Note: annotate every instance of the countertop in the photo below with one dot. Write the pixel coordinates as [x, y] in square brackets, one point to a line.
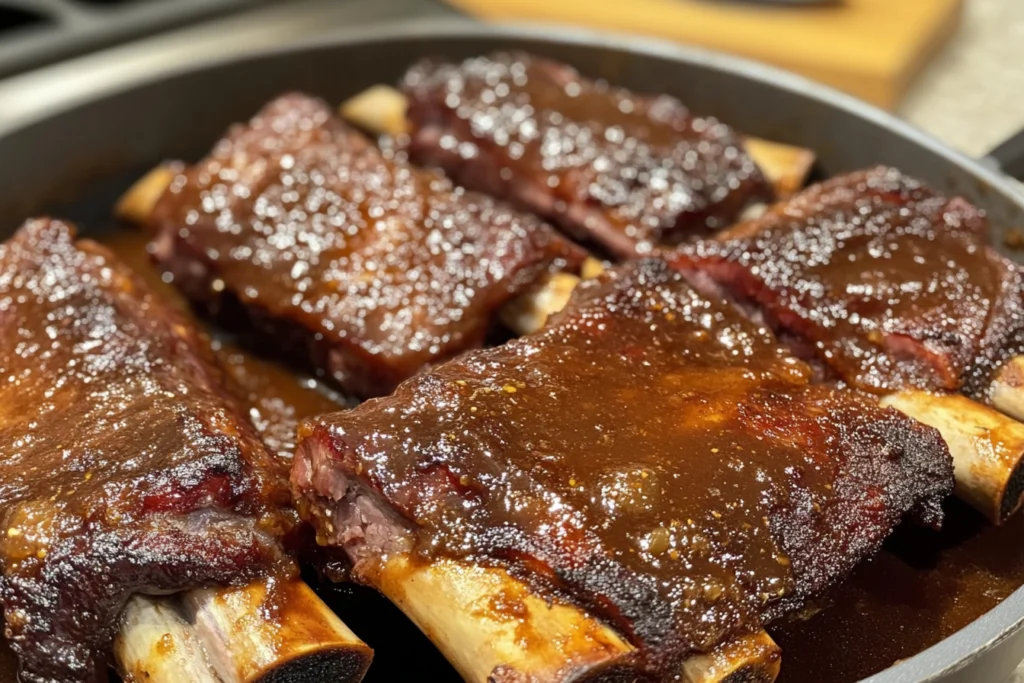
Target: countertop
[972, 94]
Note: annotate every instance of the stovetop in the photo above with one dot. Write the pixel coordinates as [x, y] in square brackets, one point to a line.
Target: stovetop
[54, 51]
[37, 32]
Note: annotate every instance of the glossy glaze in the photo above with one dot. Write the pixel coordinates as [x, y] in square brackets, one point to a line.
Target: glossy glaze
[923, 586]
[119, 446]
[883, 281]
[275, 398]
[369, 266]
[626, 171]
[652, 454]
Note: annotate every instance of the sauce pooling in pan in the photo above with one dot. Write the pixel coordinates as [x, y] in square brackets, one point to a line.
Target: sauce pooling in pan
[277, 399]
[923, 587]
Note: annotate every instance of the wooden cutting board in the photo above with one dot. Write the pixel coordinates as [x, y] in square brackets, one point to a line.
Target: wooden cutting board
[869, 48]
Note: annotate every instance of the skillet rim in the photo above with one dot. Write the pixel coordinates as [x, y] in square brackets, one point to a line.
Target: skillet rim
[945, 658]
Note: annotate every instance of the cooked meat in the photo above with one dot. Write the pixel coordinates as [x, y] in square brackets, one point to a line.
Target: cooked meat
[651, 455]
[368, 267]
[879, 279]
[625, 171]
[124, 467]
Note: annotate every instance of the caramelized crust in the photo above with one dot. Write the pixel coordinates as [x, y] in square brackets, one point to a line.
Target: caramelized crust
[124, 467]
[879, 279]
[624, 171]
[366, 265]
[651, 455]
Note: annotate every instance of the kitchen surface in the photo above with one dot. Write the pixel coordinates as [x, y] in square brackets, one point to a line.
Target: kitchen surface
[969, 95]
[957, 75]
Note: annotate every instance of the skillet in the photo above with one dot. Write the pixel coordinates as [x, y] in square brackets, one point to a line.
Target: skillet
[77, 156]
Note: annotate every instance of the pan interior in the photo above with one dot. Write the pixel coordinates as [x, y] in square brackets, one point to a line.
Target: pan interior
[75, 162]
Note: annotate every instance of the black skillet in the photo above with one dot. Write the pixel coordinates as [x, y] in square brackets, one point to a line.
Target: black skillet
[90, 143]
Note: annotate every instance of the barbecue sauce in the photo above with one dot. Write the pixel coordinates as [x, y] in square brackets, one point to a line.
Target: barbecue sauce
[879, 279]
[276, 398]
[652, 454]
[126, 466]
[922, 587]
[626, 171]
[369, 265]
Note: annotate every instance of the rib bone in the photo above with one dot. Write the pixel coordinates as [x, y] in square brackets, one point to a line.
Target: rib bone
[987, 448]
[137, 203]
[492, 628]
[276, 628]
[750, 659]
[156, 644]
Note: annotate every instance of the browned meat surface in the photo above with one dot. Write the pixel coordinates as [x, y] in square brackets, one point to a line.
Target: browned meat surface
[651, 455]
[124, 467]
[879, 279]
[350, 257]
[627, 172]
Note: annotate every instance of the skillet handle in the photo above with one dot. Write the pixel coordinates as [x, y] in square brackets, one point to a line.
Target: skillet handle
[1009, 156]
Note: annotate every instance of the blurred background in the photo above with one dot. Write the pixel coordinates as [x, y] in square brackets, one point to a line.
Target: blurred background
[951, 67]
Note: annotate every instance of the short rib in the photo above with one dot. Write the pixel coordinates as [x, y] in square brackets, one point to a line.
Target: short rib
[297, 227]
[124, 466]
[651, 455]
[879, 280]
[626, 172]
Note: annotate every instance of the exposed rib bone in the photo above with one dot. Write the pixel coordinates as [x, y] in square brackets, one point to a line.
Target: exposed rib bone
[491, 627]
[137, 203]
[750, 659]
[528, 312]
[786, 167]
[987, 448]
[273, 628]
[157, 644]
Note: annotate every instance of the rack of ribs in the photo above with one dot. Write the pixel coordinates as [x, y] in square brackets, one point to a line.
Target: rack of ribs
[299, 228]
[651, 459]
[126, 466]
[623, 171]
[891, 288]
